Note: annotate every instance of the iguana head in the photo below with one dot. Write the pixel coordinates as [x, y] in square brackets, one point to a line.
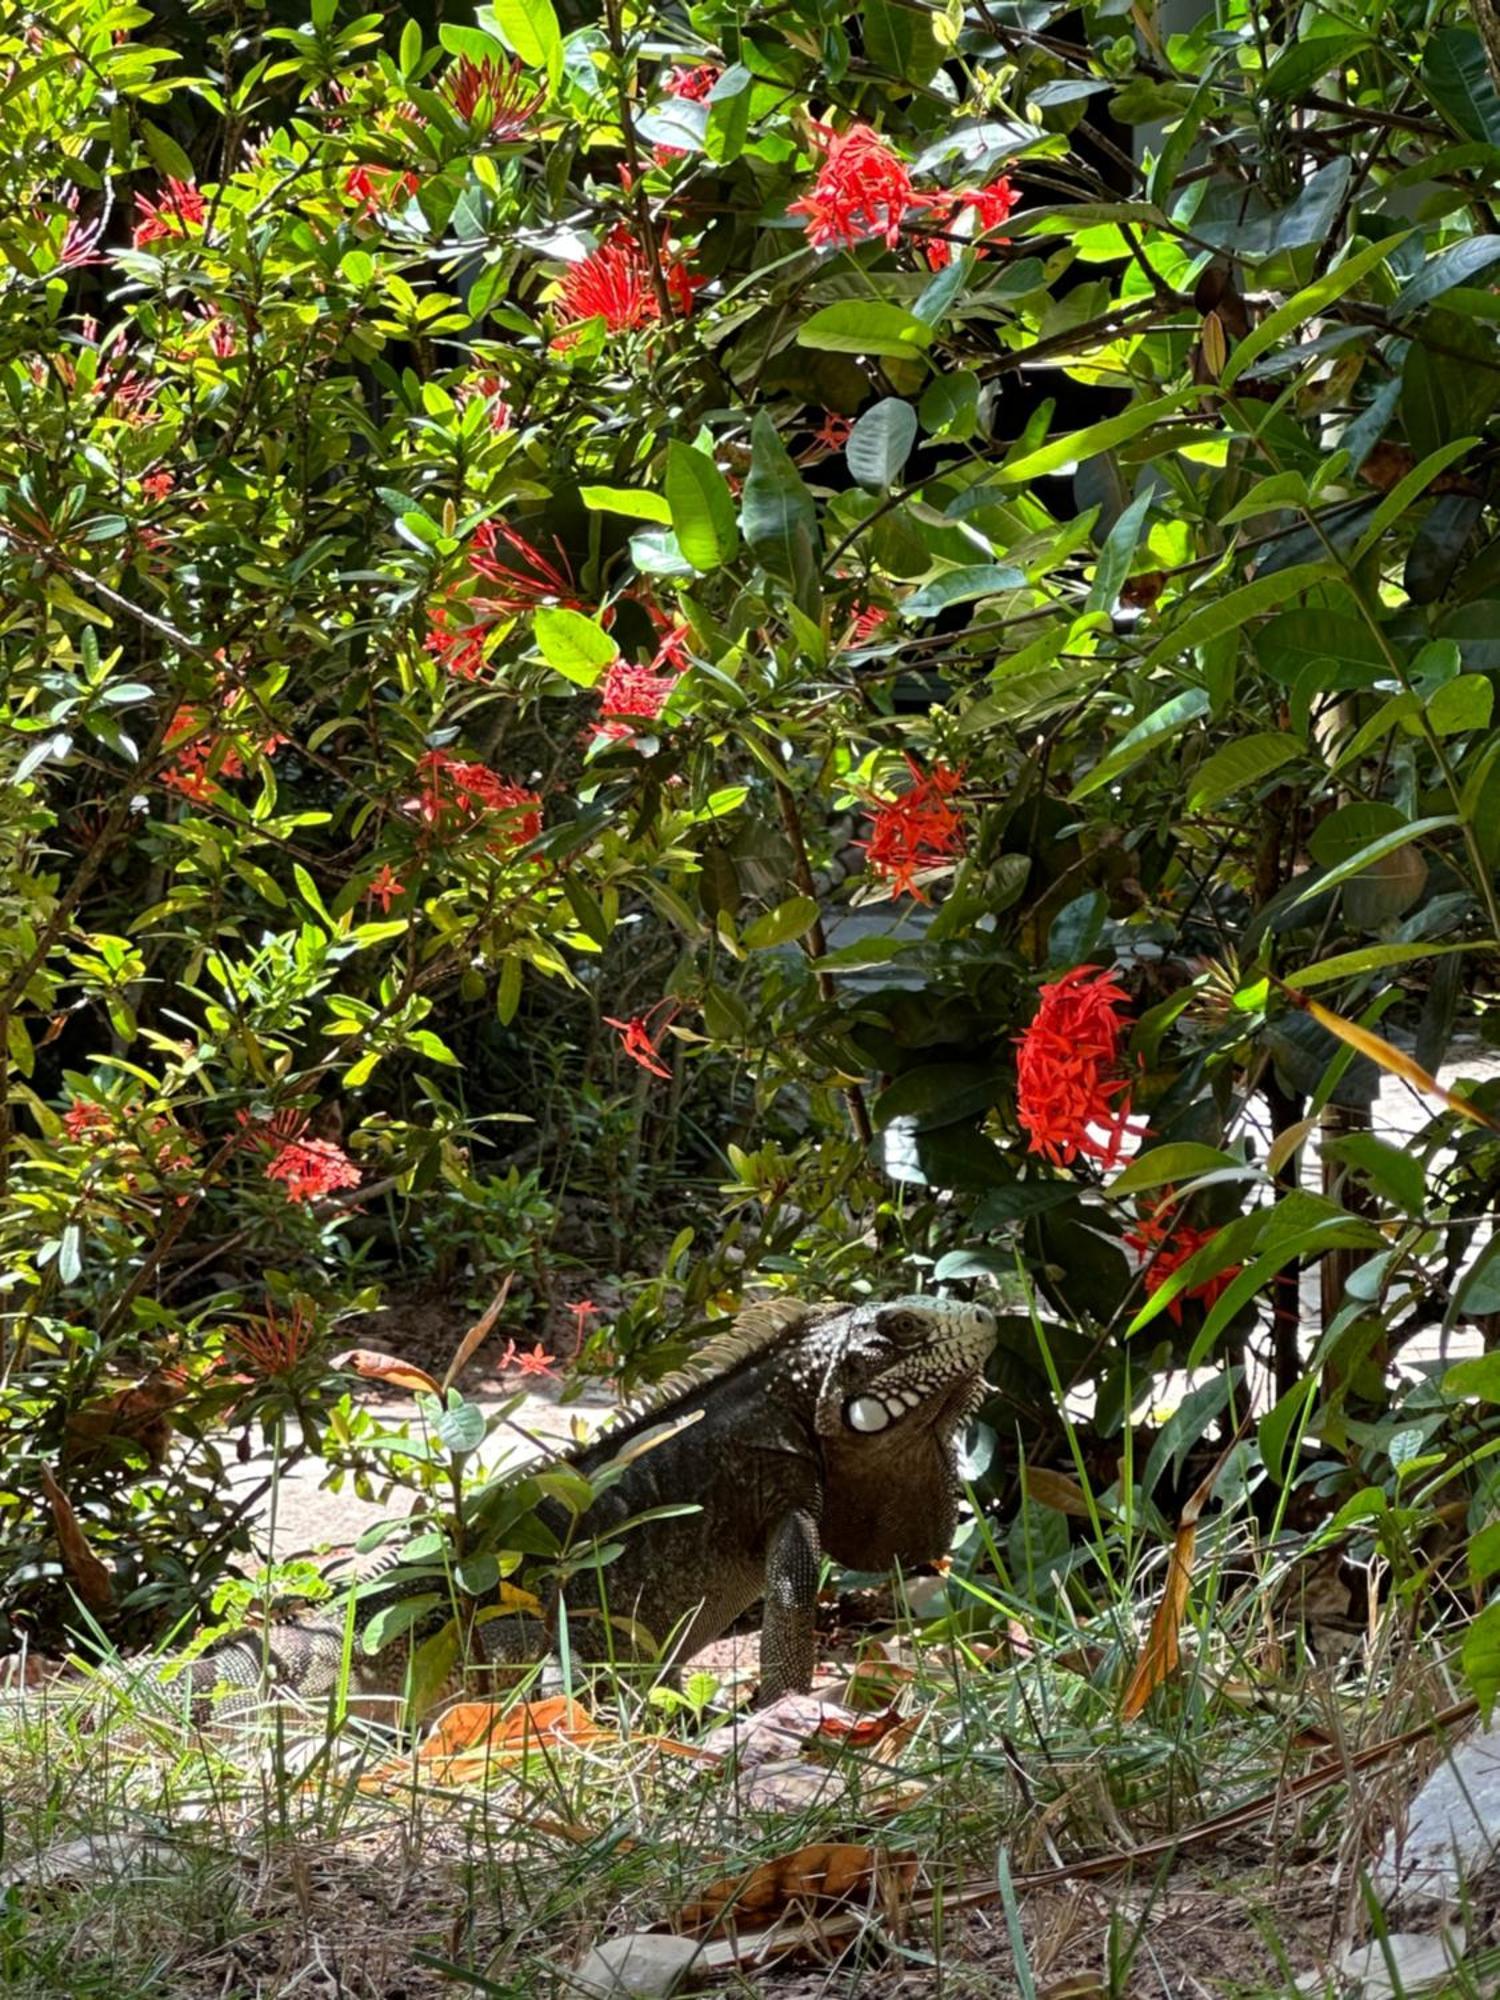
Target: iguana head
[911, 1364]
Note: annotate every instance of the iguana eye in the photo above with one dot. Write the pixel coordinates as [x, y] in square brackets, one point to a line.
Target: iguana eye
[866, 1413]
[905, 1327]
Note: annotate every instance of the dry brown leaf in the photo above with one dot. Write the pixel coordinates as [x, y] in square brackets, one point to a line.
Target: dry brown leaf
[389, 1368]
[139, 1415]
[1386, 1054]
[478, 1333]
[1161, 1653]
[95, 1586]
[1057, 1491]
[822, 1875]
[1387, 464]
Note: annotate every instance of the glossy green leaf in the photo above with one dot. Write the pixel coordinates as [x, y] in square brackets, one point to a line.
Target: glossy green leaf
[1241, 765]
[881, 442]
[702, 508]
[866, 326]
[572, 645]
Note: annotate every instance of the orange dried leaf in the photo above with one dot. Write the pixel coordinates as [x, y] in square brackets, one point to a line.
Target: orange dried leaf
[821, 1875]
[1161, 1653]
[478, 1333]
[95, 1585]
[389, 1368]
[1387, 1056]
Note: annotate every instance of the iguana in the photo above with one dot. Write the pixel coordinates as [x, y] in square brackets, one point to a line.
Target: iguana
[803, 1430]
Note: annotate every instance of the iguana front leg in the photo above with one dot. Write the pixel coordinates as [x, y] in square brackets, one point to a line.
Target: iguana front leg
[788, 1647]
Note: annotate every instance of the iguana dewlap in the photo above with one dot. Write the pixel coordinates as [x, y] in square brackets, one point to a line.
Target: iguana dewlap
[804, 1431]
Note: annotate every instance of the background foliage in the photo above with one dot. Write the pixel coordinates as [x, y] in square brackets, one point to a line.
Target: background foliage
[578, 643]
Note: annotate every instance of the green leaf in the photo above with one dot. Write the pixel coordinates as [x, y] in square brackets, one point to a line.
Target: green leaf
[1457, 78]
[938, 1094]
[1479, 1292]
[1481, 1658]
[1079, 445]
[1159, 727]
[392, 1620]
[529, 27]
[1397, 1175]
[1287, 646]
[1306, 304]
[1282, 1423]
[783, 925]
[1163, 1166]
[1240, 765]
[778, 516]
[1405, 491]
[1365, 857]
[633, 501]
[1375, 958]
[1454, 266]
[1302, 62]
[950, 406]
[866, 326]
[961, 586]
[1465, 703]
[166, 155]
[1113, 566]
[702, 508]
[880, 443]
[461, 1427]
[1230, 612]
[572, 645]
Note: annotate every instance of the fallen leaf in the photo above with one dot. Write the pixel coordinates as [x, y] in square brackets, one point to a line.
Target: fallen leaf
[378, 1367]
[823, 1875]
[95, 1585]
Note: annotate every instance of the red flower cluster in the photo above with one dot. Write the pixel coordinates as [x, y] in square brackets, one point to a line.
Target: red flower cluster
[1167, 1249]
[157, 485]
[834, 432]
[635, 1037]
[377, 189]
[459, 648]
[273, 1345]
[866, 622]
[501, 556]
[614, 284]
[988, 205]
[915, 829]
[452, 788]
[497, 97]
[633, 691]
[1068, 1073]
[196, 745]
[691, 80]
[180, 208]
[863, 189]
[87, 1120]
[312, 1167]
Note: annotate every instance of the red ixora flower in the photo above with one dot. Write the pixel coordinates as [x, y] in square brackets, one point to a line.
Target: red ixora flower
[378, 188]
[157, 485]
[834, 432]
[489, 388]
[614, 284]
[915, 829]
[384, 888]
[635, 1036]
[498, 97]
[638, 692]
[271, 1343]
[87, 1120]
[451, 787]
[863, 189]
[500, 555]
[988, 205]
[537, 1362]
[180, 208]
[1070, 1085]
[1167, 1248]
[691, 80]
[312, 1167]
[866, 621]
[460, 648]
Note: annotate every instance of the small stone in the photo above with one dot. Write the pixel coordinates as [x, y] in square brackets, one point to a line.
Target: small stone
[1402, 1964]
[1452, 1829]
[643, 1964]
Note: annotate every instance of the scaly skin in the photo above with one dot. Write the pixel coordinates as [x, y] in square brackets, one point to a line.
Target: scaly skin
[807, 1431]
